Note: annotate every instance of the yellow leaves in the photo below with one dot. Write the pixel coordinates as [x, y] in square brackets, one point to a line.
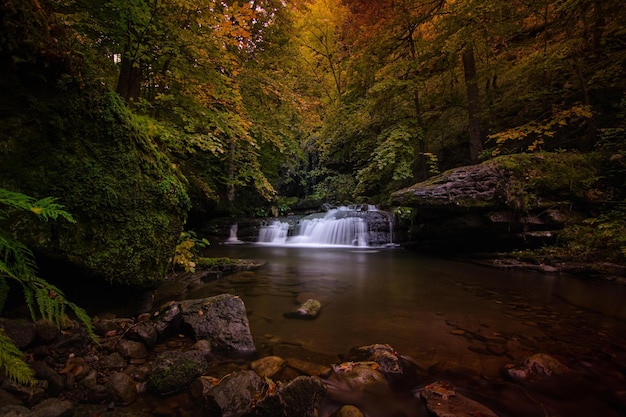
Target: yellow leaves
[36, 210]
[539, 131]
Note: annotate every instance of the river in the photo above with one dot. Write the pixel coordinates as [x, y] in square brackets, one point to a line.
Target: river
[443, 313]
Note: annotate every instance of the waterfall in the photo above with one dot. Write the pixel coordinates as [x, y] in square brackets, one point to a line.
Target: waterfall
[232, 239]
[343, 226]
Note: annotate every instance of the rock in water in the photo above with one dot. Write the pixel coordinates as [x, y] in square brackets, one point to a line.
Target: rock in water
[310, 309]
[534, 368]
[221, 320]
[442, 400]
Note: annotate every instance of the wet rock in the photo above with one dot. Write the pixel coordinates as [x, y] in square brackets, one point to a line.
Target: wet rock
[122, 388]
[397, 368]
[308, 368]
[143, 332]
[361, 384]
[222, 320]
[114, 361]
[130, 349]
[14, 411]
[300, 397]
[308, 310]
[27, 394]
[235, 395]
[111, 327]
[168, 319]
[21, 332]
[53, 407]
[45, 372]
[268, 366]
[384, 355]
[46, 331]
[442, 400]
[202, 345]
[535, 367]
[7, 398]
[348, 411]
[175, 371]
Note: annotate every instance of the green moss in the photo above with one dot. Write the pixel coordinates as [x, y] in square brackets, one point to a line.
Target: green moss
[173, 378]
[83, 147]
[540, 179]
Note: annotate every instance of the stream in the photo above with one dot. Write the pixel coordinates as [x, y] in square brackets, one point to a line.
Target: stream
[447, 315]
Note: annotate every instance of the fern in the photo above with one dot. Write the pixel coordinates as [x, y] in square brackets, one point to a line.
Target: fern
[43, 299]
[12, 363]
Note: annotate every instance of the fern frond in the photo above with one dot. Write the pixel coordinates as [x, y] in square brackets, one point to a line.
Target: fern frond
[45, 208]
[12, 364]
[4, 290]
[18, 260]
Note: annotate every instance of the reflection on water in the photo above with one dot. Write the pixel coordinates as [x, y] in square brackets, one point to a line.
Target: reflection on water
[433, 310]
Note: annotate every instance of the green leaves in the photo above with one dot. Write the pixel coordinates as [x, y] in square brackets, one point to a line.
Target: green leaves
[17, 263]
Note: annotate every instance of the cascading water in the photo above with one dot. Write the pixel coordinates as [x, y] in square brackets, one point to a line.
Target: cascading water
[343, 226]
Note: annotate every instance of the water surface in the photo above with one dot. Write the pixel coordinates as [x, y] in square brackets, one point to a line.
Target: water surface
[421, 305]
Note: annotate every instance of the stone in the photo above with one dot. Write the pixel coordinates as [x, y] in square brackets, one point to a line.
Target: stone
[130, 349]
[397, 368]
[45, 372]
[167, 320]
[202, 345]
[122, 388]
[14, 411]
[27, 394]
[535, 367]
[46, 331]
[6, 398]
[309, 310]
[111, 327]
[308, 368]
[300, 397]
[269, 366]
[114, 361]
[53, 407]
[222, 320]
[144, 332]
[174, 371]
[21, 332]
[348, 411]
[235, 395]
[442, 400]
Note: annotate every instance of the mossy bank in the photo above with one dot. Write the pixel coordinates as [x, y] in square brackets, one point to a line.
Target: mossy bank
[66, 136]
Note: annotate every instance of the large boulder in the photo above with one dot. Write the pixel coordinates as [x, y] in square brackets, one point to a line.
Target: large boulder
[66, 136]
[222, 320]
[508, 202]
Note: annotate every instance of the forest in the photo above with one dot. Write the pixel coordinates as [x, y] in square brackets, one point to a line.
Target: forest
[129, 125]
[243, 109]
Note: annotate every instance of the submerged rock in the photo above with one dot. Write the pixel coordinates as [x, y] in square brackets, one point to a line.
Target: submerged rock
[309, 310]
[442, 400]
[535, 367]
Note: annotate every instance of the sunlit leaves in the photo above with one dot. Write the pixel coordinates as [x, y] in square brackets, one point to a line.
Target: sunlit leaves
[539, 132]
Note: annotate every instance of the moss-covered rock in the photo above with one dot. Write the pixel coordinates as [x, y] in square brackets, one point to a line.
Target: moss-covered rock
[64, 135]
[513, 201]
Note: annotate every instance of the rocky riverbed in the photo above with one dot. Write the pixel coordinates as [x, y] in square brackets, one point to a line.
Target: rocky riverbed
[198, 358]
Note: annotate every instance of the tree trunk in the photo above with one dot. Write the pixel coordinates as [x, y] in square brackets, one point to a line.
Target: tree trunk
[473, 106]
[129, 81]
